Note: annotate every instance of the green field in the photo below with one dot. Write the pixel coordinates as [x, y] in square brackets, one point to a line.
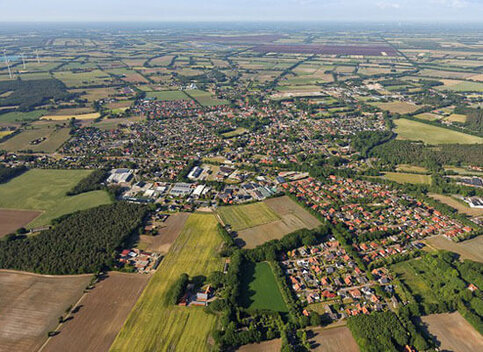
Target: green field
[82, 79]
[245, 216]
[464, 87]
[429, 134]
[402, 177]
[168, 95]
[22, 116]
[259, 289]
[237, 132]
[45, 190]
[205, 98]
[54, 138]
[153, 326]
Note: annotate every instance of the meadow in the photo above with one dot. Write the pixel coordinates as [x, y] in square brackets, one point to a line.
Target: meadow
[45, 190]
[259, 289]
[241, 217]
[205, 98]
[168, 95]
[401, 177]
[18, 116]
[399, 107]
[429, 134]
[154, 326]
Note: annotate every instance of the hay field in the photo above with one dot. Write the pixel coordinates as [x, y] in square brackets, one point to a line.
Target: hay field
[205, 98]
[11, 220]
[418, 131]
[399, 107]
[241, 217]
[101, 315]
[166, 95]
[454, 203]
[18, 116]
[469, 249]
[453, 332]
[153, 326]
[48, 137]
[401, 177]
[45, 190]
[30, 305]
[333, 340]
[91, 116]
[265, 346]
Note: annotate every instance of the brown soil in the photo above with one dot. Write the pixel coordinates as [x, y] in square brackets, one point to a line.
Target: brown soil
[166, 235]
[11, 220]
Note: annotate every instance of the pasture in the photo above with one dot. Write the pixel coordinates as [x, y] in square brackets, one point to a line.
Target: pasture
[453, 333]
[399, 107]
[259, 289]
[166, 95]
[470, 249]
[205, 98]
[401, 177]
[30, 305]
[37, 138]
[102, 312]
[18, 116]
[153, 326]
[45, 191]
[337, 339]
[458, 205]
[90, 116]
[429, 134]
[82, 79]
[241, 217]
[11, 220]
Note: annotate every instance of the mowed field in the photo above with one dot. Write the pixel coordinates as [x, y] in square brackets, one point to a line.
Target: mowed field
[166, 236]
[454, 203]
[30, 305]
[402, 177]
[469, 249]
[259, 289]
[153, 326]
[419, 131]
[241, 217]
[399, 107]
[45, 191]
[11, 220]
[453, 332]
[102, 313]
[291, 217]
[333, 340]
[42, 137]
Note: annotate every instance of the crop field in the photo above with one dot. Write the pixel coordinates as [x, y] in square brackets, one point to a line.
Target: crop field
[205, 98]
[333, 340]
[82, 79]
[401, 177]
[91, 116]
[411, 168]
[399, 107]
[456, 118]
[259, 289]
[17, 116]
[427, 116]
[292, 217]
[458, 205]
[11, 220]
[30, 305]
[469, 249]
[463, 86]
[274, 345]
[45, 190]
[166, 236]
[168, 95]
[154, 326]
[453, 333]
[103, 311]
[241, 217]
[419, 131]
[38, 138]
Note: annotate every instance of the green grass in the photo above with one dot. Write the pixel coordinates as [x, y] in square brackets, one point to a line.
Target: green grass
[238, 132]
[412, 273]
[259, 288]
[168, 95]
[245, 216]
[464, 87]
[55, 137]
[45, 190]
[205, 98]
[22, 116]
[429, 134]
[153, 326]
[402, 177]
[81, 79]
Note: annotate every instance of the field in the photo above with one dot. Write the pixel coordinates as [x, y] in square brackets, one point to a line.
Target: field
[333, 340]
[168, 95]
[470, 249]
[11, 220]
[369, 50]
[102, 313]
[454, 203]
[21, 116]
[241, 217]
[292, 217]
[153, 326]
[38, 138]
[418, 131]
[457, 118]
[91, 116]
[411, 168]
[238, 132]
[265, 346]
[82, 79]
[399, 107]
[30, 305]
[463, 86]
[205, 98]
[401, 177]
[166, 236]
[45, 190]
[259, 289]
[453, 332]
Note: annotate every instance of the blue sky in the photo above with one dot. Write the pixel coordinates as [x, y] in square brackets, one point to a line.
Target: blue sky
[242, 10]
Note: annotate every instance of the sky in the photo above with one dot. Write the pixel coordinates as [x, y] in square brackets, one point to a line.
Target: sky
[241, 10]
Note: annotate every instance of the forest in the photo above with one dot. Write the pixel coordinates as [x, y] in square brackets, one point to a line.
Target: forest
[91, 182]
[83, 242]
[7, 173]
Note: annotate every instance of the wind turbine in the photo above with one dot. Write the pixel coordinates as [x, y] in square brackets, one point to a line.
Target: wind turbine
[37, 53]
[8, 64]
[23, 61]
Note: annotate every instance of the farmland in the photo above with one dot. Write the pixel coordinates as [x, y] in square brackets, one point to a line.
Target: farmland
[402, 177]
[90, 116]
[265, 346]
[328, 49]
[470, 249]
[45, 190]
[21, 116]
[398, 107]
[241, 217]
[168, 95]
[154, 326]
[453, 333]
[30, 305]
[102, 313]
[259, 289]
[11, 220]
[205, 98]
[457, 204]
[418, 131]
[333, 340]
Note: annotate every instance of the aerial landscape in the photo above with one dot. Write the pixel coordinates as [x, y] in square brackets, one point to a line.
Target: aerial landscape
[230, 178]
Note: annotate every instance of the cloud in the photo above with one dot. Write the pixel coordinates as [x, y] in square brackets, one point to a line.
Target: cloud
[388, 5]
[457, 4]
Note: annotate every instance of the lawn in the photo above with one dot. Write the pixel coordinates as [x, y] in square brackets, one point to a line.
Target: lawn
[249, 215]
[402, 177]
[153, 326]
[259, 289]
[45, 190]
[21, 116]
[429, 134]
[168, 95]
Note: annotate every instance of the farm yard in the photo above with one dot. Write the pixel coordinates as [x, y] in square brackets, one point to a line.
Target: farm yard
[419, 131]
[102, 312]
[30, 305]
[45, 191]
[453, 333]
[11, 220]
[153, 325]
[337, 339]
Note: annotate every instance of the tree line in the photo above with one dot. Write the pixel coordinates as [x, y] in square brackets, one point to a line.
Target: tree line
[7, 173]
